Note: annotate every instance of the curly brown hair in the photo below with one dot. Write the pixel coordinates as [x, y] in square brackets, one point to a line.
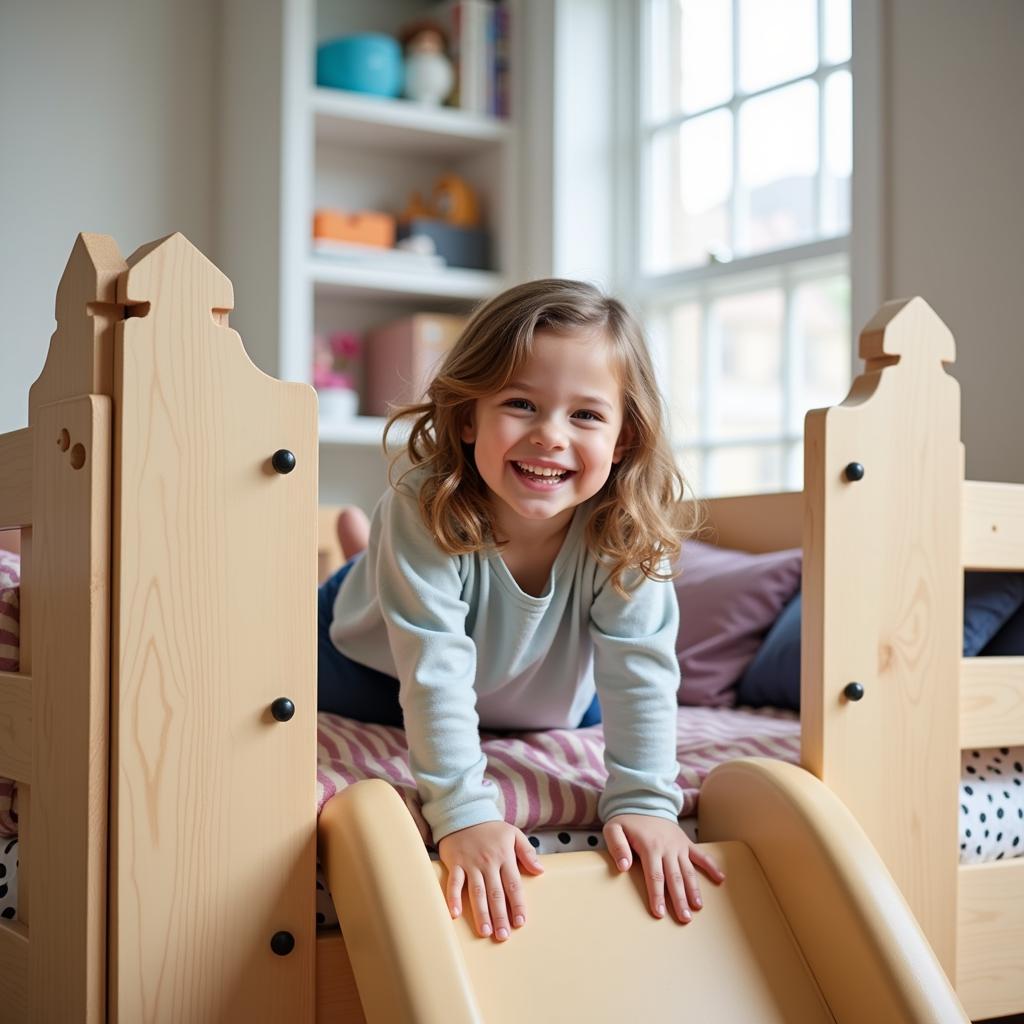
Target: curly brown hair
[638, 521]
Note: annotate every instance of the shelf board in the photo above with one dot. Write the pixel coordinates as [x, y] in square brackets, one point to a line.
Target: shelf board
[401, 125]
[361, 430]
[452, 283]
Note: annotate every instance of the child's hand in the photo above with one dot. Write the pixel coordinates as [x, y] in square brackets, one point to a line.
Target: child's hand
[667, 855]
[485, 857]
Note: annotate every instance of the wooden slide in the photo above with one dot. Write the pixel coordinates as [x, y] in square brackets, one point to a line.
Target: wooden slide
[809, 926]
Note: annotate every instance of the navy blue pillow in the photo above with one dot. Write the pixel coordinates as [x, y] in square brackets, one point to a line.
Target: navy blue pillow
[993, 611]
[1009, 640]
[990, 598]
[773, 678]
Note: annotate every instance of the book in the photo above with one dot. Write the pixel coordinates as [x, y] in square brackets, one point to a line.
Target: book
[467, 24]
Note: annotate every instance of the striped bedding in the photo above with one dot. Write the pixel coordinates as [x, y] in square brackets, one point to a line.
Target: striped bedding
[552, 779]
[10, 569]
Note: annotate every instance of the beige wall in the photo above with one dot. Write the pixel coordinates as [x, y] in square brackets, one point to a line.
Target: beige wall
[955, 201]
[106, 124]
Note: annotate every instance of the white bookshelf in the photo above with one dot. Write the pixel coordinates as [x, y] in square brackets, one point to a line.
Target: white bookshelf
[402, 126]
[450, 284]
[289, 147]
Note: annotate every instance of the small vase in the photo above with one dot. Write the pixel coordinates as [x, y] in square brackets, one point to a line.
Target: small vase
[338, 404]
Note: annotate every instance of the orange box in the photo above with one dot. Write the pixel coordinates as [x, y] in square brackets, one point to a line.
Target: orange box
[367, 227]
[402, 357]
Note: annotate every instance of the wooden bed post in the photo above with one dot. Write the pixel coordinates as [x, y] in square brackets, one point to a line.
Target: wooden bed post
[213, 801]
[883, 596]
[66, 631]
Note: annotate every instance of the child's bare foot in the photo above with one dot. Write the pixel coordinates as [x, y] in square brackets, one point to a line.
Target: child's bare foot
[353, 530]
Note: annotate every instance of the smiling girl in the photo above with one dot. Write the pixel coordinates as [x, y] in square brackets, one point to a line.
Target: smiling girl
[517, 576]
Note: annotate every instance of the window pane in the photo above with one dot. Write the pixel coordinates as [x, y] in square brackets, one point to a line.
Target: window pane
[690, 45]
[778, 41]
[778, 159]
[835, 178]
[745, 336]
[690, 175]
[837, 31]
[746, 470]
[794, 478]
[684, 371]
[691, 462]
[821, 328]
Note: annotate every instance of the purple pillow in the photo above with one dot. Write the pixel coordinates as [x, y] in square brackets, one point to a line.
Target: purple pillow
[728, 600]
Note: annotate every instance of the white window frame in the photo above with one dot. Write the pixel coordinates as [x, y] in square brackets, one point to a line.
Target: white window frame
[861, 251]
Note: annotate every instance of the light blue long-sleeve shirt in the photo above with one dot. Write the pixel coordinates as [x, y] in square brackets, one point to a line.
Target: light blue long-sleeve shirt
[470, 648]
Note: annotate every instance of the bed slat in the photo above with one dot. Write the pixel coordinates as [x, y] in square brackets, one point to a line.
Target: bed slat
[756, 522]
[16, 727]
[991, 702]
[990, 934]
[993, 525]
[16, 479]
[69, 580]
[13, 972]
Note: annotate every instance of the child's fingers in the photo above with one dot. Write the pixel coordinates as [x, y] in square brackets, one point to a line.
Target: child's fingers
[514, 895]
[654, 875]
[679, 887]
[691, 882]
[497, 905]
[478, 902]
[453, 891]
[618, 846]
[706, 864]
[527, 854]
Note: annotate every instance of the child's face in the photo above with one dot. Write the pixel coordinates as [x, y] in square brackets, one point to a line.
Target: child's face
[563, 412]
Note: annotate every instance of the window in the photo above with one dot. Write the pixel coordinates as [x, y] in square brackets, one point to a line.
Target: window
[743, 170]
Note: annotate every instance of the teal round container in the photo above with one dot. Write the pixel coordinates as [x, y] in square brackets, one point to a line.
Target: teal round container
[368, 62]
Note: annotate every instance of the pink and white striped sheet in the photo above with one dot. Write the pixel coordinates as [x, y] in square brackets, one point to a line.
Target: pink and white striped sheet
[553, 779]
[10, 614]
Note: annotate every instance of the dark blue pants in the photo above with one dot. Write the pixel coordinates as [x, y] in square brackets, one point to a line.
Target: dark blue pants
[347, 688]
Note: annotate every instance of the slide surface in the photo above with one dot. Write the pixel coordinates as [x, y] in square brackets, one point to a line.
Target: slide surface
[808, 926]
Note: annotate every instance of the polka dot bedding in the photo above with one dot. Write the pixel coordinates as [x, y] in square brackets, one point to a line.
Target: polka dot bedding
[8, 878]
[991, 804]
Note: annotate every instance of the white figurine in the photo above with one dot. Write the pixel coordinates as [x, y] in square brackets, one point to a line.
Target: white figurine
[428, 72]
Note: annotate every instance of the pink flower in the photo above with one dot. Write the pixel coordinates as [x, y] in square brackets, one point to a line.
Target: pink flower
[345, 345]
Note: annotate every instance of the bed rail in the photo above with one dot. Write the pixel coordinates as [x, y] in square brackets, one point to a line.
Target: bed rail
[16, 479]
[993, 526]
[16, 727]
[991, 702]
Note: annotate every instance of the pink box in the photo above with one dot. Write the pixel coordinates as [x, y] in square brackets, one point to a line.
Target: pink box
[402, 357]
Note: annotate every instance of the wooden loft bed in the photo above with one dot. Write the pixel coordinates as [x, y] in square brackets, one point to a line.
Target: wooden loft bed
[168, 601]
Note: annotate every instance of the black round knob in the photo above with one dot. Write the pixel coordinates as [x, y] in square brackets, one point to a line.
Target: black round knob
[282, 709]
[282, 943]
[853, 691]
[283, 460]
[854, 471]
